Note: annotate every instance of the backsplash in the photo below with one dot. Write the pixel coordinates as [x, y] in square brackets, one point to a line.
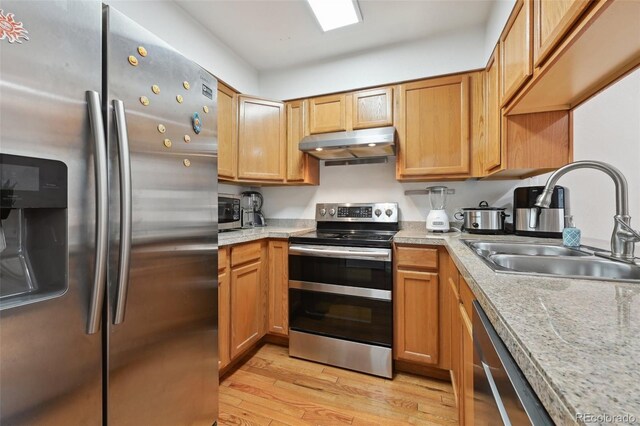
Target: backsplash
[377, 183]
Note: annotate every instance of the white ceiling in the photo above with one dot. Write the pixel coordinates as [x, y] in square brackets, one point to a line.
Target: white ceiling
[272, 34]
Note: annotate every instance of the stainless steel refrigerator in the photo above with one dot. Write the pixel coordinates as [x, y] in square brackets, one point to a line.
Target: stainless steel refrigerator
[108, 244]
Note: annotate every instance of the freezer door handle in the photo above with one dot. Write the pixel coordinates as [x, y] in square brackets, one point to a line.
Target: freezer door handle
[102, 210]
[125, 210]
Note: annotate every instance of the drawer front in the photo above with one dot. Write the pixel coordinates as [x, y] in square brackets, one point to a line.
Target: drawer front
[244, 253]
[223, 258]
[417, 257]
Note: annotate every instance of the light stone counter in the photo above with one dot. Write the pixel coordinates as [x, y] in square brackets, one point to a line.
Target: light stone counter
[576, 341]
[253, 234]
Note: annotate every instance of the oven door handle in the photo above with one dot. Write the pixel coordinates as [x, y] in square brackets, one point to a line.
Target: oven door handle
[369, 293]
[341, 253]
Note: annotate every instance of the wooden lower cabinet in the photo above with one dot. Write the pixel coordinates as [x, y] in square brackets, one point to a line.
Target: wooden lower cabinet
[246, 307]
[224, 305]
[416, 325]
[253, 284]
[456, 330]
[466, 414]
[224, 328]
[278, 255]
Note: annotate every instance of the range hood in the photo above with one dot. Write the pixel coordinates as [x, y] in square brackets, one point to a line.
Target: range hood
[356, 144]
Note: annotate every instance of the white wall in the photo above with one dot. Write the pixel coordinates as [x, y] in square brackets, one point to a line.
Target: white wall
[173, 25]
[500, 12]
[606, 128]
[446, 53]
[377, 183]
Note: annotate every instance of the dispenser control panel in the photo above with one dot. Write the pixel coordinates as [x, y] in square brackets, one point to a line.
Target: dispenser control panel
[28, 182]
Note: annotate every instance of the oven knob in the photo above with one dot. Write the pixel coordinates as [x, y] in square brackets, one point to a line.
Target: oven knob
[378, 212]
[323, 212]
[332, 212]
[388, 212]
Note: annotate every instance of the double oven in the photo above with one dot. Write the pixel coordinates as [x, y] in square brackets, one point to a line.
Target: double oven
[340, 288]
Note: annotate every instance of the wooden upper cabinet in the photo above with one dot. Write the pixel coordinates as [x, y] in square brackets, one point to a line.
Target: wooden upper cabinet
[416, 325]
[433, 128]
[328, 114]
[551, 21]
[493, 143]
[372, 108]
[227, 132]
[295, 133]
[301, 168]
[262, 140]
[516, 63]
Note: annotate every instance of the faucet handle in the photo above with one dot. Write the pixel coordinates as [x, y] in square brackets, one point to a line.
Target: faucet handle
[631, 234]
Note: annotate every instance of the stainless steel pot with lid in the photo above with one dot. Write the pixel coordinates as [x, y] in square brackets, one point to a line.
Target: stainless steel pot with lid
[482, 219]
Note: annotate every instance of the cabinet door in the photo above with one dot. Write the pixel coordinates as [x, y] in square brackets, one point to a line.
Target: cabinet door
[467, 368]
[372, 108]
[327, 114]
[416, 311]
[224, 303]
[301, 167]
[551, 21]
[227, 132]
[262, 140]
[456, 336]
[295, 133]
[246, 307]
[279, 287]
[515, 51]
[433, 128]
[493, 143]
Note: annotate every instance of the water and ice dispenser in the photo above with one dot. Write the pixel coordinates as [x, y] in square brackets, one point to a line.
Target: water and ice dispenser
[33, 230]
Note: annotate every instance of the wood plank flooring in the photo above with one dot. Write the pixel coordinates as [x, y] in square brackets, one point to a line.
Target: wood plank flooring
[273, 389]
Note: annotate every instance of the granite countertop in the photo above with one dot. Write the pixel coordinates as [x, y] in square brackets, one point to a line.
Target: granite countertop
[253, 234]
[576, 341]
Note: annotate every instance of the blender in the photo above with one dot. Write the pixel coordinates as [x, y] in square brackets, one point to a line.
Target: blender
[437, 219]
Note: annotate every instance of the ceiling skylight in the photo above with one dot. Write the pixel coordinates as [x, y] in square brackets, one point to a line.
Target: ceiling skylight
[332, 14]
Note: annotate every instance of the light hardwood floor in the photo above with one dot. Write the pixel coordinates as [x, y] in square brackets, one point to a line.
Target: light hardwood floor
[273, 389]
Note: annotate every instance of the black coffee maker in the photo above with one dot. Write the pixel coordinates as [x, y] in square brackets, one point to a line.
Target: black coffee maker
[533, 221]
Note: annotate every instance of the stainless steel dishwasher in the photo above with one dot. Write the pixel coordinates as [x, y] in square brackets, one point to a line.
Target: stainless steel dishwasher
[502, 394]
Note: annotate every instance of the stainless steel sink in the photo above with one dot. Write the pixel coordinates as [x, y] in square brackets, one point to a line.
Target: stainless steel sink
[551, 260]
[485, 247]
[582, 267]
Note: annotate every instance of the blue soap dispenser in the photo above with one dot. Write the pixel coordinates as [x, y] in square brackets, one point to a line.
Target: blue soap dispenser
[570, 234]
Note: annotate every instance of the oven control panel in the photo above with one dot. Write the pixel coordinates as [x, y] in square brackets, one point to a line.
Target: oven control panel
[357, 212]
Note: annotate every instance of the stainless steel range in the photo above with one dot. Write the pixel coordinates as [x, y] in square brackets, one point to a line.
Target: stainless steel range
[340, 288]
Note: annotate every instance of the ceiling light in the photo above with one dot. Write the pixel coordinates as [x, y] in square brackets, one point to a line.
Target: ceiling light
[372, 144]
[318, 149]
[332, 14]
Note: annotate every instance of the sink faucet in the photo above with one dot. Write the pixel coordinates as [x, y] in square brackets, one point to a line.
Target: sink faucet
[624, 237]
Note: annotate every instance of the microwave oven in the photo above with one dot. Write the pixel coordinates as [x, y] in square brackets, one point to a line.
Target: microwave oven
[229, 211]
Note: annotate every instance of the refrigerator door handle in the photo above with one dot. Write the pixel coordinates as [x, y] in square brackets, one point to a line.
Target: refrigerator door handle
[102, 210]
[125, 210]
